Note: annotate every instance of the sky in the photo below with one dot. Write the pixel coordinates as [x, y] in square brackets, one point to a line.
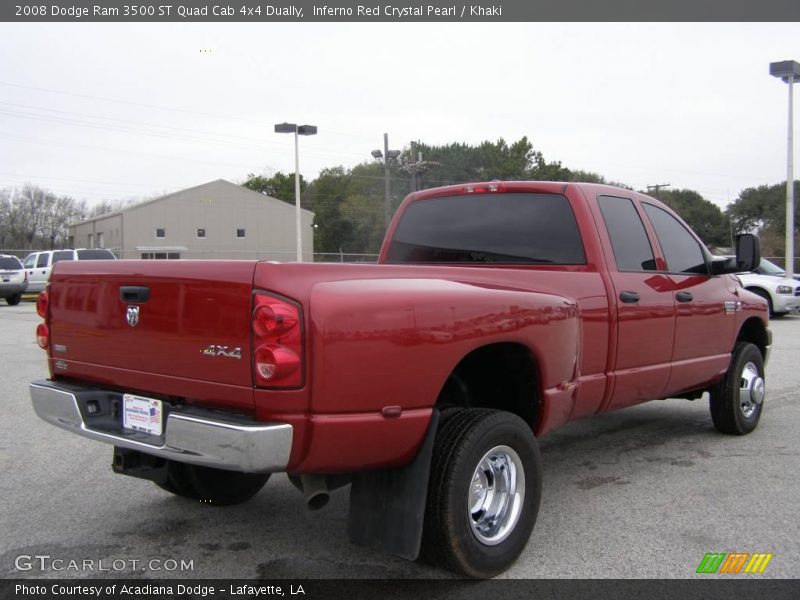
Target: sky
[110, 111]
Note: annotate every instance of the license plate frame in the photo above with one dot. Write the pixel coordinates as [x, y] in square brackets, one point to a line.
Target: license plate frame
[142, 414]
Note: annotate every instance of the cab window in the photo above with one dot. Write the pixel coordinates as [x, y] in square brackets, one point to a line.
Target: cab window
[43, 260]
[632, 251]
[682, 251]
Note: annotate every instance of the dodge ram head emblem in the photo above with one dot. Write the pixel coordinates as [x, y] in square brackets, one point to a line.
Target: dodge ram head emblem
[133, 316]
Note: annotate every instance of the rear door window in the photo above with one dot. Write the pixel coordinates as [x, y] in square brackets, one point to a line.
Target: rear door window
[632, 250]
[489, 228]
[95, 254]
[62, 255]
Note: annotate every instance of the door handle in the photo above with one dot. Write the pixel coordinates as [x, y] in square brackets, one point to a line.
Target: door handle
[684, 297]
[133, 293]
[629, 297]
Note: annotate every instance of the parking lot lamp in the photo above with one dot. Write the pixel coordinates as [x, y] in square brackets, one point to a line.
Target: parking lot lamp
[297, 130]
[789, 72]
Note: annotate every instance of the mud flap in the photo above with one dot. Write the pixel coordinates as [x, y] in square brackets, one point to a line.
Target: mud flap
[387, 507]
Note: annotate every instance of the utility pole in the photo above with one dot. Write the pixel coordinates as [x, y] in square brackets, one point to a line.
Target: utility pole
[657, 187]
[417, 165]
[387, 155]
[413, 163]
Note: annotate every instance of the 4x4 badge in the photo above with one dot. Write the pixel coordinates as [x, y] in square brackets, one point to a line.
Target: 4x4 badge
[215, 350]
[133, 316]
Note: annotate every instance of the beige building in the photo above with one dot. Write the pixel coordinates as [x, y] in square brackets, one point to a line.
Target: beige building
[215, 220]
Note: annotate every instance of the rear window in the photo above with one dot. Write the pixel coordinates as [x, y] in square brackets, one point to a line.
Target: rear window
[95, 254]
[10, 263]
[489, 228]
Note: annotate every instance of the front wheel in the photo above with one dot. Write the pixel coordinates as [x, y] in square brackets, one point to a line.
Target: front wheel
[484, 492]
[14, 300]
[737, 401]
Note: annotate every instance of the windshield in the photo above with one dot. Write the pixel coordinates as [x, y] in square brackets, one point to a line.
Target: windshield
[769, 268]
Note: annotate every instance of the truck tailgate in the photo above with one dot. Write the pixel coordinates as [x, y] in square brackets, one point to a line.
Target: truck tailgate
[192, 327]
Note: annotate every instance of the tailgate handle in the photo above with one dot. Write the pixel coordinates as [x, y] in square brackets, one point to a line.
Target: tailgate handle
[134, 293]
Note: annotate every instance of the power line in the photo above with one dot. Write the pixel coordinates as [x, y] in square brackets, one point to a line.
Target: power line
[161, 107]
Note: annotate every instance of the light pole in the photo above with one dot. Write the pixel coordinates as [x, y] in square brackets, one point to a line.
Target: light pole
[789, 72]
[386, 155]
[297, 130]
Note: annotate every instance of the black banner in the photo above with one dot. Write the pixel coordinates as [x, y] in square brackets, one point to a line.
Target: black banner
[397, 10]
[384, 589]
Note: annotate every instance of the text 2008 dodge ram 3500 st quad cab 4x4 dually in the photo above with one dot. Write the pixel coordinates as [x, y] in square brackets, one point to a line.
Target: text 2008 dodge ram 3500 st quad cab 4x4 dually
[499, 311]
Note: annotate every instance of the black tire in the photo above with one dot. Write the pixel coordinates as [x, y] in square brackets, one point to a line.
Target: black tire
[735, 409]
[765, 295]
[455, 535]
[177, 481]
[212, 486]
[14, 300]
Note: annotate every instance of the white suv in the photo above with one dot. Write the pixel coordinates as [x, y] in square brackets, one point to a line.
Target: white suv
[782, 295]
[39, 264]
[13, 279]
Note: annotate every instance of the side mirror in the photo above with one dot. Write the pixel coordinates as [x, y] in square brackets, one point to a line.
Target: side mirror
[748, 252]
[748, 256]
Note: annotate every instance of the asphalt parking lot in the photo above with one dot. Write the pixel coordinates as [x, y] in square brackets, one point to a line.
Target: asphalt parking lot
[643, 492]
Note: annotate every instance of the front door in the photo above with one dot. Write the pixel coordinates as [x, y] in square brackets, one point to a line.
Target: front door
[705, 305]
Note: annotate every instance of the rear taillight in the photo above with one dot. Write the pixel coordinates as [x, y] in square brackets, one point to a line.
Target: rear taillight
[42, 330]
[277, 342]
[42, 336]
[42, 301]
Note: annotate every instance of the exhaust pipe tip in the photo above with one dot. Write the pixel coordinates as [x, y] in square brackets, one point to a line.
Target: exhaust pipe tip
[315, 488]
[317, 501]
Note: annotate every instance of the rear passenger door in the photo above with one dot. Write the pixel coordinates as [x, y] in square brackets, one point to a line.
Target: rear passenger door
[704, 331]
[645, 306]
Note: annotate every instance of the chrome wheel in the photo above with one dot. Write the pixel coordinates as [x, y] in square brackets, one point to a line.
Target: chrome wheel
[496, 495]
[751, 390]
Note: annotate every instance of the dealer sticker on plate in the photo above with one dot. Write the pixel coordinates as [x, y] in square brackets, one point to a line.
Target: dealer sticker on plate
[142, 414]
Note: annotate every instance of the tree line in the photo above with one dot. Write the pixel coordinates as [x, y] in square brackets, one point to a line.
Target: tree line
[349, 202]
[32, 218]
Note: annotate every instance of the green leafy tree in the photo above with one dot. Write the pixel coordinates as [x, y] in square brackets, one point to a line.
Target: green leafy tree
[703, 216]
[762, 210]
[279, 185]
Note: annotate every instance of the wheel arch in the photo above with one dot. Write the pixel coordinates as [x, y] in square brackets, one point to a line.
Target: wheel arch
[761, 291]
[501, 375]
[754, 331]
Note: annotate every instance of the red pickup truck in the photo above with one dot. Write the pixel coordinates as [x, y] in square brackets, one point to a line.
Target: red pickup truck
[499, 311]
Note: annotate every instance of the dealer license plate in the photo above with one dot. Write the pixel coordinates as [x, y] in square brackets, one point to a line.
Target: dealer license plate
[142, 414]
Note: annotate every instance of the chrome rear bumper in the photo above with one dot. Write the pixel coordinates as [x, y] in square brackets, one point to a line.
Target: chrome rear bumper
[196, 436]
